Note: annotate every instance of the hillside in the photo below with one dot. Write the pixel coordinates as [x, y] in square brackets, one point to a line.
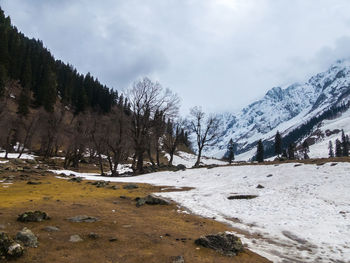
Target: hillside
[285, 109]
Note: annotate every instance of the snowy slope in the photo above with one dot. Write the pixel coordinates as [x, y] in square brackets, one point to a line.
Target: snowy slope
[189, 159]
[285, 108]
[302, 214]
[329, 130]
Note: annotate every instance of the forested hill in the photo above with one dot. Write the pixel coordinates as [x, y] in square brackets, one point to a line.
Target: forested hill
[32, 64]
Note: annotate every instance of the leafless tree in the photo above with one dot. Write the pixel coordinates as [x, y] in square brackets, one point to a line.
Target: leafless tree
[117, 140]
[172, 138]
[206, 130]
[146, 98]
[27, 129]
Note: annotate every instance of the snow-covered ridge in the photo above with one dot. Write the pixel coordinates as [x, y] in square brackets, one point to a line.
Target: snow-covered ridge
[285, 108]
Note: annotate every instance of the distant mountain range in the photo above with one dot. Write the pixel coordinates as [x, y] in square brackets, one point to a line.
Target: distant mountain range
[297, 108]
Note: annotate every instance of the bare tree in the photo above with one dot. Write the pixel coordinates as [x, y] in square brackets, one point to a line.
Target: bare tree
[117, 140]
[27, 129]
[206, 130]
[172, 138]
[147, 97]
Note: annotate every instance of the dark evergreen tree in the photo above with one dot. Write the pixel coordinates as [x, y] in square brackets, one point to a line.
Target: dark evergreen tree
[305, 149]
[260, 152]
[24, 102]
[345, 144]
[330, 150]
[338, 148]
[291, 151]
[230, 151]
[278, 144]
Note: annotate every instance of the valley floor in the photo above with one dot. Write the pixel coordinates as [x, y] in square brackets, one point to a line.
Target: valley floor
[144, 234]
[302, 213]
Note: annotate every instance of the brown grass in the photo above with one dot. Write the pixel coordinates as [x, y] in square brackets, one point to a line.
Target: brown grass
[141, 232]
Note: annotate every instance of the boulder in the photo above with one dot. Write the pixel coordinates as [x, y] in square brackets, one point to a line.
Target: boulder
[82, 219]
[260, 186]
[76, 179]
[27, 238]
[30, 216]
[99, 184]
[178, 259]
[33, 183]
[75, 239]
[51, 229]
[181, 167]
[130, 186]
[9, 248]
[151, 200]
[227, 244]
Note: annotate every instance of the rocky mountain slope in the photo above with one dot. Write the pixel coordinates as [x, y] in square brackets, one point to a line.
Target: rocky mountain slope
[284, 109]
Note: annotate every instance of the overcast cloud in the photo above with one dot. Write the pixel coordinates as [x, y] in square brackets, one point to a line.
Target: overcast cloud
[221, 54]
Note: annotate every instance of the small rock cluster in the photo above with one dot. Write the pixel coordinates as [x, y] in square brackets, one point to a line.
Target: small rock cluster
[150, 200]
[226, 244]
[30, 216]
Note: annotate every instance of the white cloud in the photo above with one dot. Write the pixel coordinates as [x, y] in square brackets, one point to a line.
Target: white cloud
[218, 54]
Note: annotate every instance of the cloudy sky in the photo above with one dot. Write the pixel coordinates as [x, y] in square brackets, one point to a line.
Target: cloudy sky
[221, 54]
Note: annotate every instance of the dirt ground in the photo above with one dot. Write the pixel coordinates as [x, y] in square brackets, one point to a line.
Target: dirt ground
[145, 234]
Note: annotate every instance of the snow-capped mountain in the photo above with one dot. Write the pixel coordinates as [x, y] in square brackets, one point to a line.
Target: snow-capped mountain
[284, 109]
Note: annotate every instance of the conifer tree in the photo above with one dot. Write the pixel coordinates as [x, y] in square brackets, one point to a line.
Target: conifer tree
[330, 150]
[260, 152]
[345, 144]
[278, 144]
[291, 151]
[23, 102]
[230, 151]
[305, 149]
[338, 148]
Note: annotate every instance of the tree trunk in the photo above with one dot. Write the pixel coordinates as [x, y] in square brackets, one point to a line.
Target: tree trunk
[157, 156]
[139, 165]
[198, 157]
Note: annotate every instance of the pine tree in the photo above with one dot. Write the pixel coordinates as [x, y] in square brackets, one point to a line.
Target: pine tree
[23, 102]
[260, 152]
[330, 150]
[344, 143]
[306, 149]
[291, 151]
[230, 151]
[278, 144]
[338, 148]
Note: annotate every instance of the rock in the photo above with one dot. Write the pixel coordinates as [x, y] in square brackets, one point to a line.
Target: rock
[130, 186]
[51, 229]
[237, 197]
[33, 183]
[27, 238]
[82, 219]
[260, 186]
[93, 235]
[30, 216]
[75, 239]
[181, 167]
[15, 250]
[297, 165]
[334, 164]
[113, 239]
[9, 248]
[99, 184]
[115, 187]
[227, 244]
[270, 175]
[178, 259]
[151, 200]
[211, 166]
[76, 179]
